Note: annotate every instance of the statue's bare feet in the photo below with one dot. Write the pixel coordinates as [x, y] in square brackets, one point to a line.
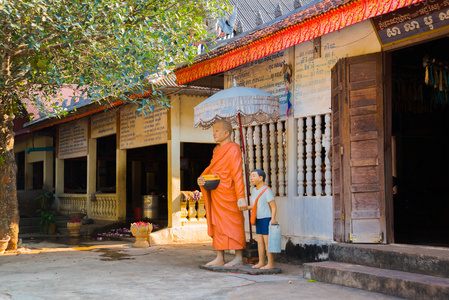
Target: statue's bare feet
[216, 262]
[235, 262]
[258, 266]
[267, 267]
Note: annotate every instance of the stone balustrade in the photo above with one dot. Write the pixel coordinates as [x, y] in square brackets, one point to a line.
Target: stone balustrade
[104, 207]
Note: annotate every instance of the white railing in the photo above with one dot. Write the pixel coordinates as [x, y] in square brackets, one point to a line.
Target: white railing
[314, 169]
[104, 207]
[266, 147]
[69, 204]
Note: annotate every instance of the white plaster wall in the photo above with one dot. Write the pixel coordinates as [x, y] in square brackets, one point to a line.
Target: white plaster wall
[304, 220]
[312, 77]
[188, 133]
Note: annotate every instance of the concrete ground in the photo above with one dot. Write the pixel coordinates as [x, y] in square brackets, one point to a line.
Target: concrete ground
[87, 269]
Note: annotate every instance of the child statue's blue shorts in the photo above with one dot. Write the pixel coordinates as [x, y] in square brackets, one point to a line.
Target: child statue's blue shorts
[262, 226]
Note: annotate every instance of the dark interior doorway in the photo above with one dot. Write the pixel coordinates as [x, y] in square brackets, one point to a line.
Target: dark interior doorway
[146, 176]
[38, 175]
[75, 175]
[106, 164]
[420, 135]
[195, 157]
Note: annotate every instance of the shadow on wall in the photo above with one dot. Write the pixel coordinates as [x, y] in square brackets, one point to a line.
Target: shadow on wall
[30, 201]
[306, 252]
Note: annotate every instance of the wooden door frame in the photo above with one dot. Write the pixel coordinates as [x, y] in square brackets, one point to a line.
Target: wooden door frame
[389, 207]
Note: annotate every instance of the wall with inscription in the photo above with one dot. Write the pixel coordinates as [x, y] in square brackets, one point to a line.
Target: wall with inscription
[103, 124]
[188, 133]
[265, 74]
[140, 130]
[72, 139]
[412, 20]
[312, 77]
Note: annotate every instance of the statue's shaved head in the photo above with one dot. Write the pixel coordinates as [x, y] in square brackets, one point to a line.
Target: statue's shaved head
[226, 125]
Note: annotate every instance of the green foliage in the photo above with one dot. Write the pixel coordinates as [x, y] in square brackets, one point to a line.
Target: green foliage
[104, 47]
[47, 217]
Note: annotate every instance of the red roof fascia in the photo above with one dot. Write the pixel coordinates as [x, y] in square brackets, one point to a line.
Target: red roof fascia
[325, 17]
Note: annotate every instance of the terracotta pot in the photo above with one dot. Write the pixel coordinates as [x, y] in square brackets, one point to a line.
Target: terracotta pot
[74, 228]
[4, 244]
[142, 234]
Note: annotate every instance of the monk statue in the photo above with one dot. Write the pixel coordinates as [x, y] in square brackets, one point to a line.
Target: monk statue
[225, 204]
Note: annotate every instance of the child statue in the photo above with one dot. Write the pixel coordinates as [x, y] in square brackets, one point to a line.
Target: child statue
[263, 212]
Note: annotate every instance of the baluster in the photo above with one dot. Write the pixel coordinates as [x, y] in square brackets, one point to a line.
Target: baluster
[266, 158]
[327, 146]
[245, 139]
[273, 158]
[184, 212]
[280, 158]
[192, 210]
[285, 157]
[300, 159]
[318, 161]
[250, 142]
[201, 209]
[237, 137]
[114, 206]
[309, 160]
[258, 147]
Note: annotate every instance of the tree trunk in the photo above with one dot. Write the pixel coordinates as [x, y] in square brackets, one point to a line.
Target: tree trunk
[9, 207]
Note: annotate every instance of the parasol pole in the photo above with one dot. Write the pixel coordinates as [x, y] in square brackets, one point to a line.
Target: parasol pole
[248, 195]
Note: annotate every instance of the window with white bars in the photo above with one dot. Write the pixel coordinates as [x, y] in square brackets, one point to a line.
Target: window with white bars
[314, 169]
[266, 149]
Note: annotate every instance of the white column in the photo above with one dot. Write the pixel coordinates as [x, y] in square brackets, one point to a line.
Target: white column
[318, 161]
[266, 158]
[250, 143]
[257, 142]
[285, 143]
[327, 146]
[309, 160]
[59, 181]
[300, 159]
[121, 184]
[174, 165]
[91, 174]
[237, 137]
[273, 158]
[280, 158]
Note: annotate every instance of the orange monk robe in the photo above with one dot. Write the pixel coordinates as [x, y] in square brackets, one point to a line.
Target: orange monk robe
[225, 222]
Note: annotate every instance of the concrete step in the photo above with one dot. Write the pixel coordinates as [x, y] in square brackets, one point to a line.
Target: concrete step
[33, 221]
[29, 229]
[395, 283]
[433, 261]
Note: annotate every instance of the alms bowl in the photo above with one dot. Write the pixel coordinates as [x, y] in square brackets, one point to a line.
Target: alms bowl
[212, 181]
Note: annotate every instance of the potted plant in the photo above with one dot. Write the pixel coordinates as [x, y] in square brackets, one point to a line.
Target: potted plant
[141, 230]
[74, 226]
[47, 222]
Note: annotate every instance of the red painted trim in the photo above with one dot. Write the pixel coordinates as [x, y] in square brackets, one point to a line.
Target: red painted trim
[324, 23]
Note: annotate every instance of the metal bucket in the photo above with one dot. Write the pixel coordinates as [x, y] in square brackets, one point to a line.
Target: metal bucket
[149, 207]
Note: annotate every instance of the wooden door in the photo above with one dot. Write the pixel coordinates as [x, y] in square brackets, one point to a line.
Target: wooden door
[359, 196]
[337, 166]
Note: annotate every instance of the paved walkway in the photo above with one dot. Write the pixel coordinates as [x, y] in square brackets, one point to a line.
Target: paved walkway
[85, 269]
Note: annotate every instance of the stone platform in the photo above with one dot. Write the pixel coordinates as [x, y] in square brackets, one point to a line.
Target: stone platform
[243, 269]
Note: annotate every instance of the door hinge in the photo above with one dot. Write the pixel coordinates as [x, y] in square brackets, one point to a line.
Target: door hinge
[341, 150]
[342, 215]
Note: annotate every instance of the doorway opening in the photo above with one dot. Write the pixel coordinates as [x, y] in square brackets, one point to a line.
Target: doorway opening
[106, 164]
[195, 157]
[146, 179]
[420, 143]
